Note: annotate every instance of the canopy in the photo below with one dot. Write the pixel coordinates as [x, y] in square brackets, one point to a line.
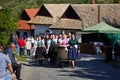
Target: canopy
[101, 28]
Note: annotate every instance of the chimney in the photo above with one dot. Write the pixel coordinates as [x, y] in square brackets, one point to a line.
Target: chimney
[93, 1]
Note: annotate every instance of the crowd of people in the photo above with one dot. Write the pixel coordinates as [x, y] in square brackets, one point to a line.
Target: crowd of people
[44, 46]
[41, 47]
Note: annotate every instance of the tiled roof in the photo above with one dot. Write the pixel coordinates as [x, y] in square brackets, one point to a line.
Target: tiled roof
[32, 12]
[22, 25]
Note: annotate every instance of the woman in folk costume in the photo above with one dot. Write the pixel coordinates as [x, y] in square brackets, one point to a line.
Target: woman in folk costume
[33, 50]
[28, 46]
[64, 41]
[73, 50]
[52, 53]
[40, 51]
[47, 44]
[63, 51]
[69, 36]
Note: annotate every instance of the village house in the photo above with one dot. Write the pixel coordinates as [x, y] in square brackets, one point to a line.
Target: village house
[74, 17]
[24, 29]
[48, 15]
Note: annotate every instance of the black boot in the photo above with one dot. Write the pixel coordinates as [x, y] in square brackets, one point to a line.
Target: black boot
[41, 62]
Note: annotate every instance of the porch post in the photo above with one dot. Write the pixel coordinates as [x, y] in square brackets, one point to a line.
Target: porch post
[30, 30]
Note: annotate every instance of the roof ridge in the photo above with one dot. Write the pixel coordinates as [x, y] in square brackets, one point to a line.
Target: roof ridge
[56, 10]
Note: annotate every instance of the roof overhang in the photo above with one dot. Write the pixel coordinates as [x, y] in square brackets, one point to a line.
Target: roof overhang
[67, 24]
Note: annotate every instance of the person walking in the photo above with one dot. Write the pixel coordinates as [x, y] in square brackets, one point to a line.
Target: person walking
[5, 64]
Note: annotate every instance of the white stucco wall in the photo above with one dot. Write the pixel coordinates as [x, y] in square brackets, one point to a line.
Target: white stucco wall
[78, 36]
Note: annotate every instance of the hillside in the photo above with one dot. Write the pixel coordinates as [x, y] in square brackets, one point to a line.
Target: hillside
[16, 6]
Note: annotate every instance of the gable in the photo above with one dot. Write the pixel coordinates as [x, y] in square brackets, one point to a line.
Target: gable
[44, 12]
[70, 13]
[24, 16]
[31, 12]
[56, 10]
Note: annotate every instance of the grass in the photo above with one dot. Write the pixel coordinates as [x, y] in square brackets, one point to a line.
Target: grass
[21, 58]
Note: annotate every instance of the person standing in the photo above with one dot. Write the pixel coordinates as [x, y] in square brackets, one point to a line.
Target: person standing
[16, 44]
[15, 65]
[69, 36]
[59, 37]
[28, 46]
[21, 43]
[33, 50]
[47, 45]
[73, 50]
[5, 62]
[32, 41]
[52, 48]
[63, 51]
[40, 51]
[64, 41]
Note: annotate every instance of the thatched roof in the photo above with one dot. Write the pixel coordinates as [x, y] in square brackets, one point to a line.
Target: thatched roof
[87, 12]
[110, 13]
[56, 10]
[67, 24]
[41, 20]
[92, 14]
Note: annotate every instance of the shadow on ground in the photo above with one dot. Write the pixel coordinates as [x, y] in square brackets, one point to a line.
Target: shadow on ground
[93, 69]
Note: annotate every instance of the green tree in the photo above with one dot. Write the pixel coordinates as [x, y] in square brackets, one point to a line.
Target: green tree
[107, 1]
[7, 25]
